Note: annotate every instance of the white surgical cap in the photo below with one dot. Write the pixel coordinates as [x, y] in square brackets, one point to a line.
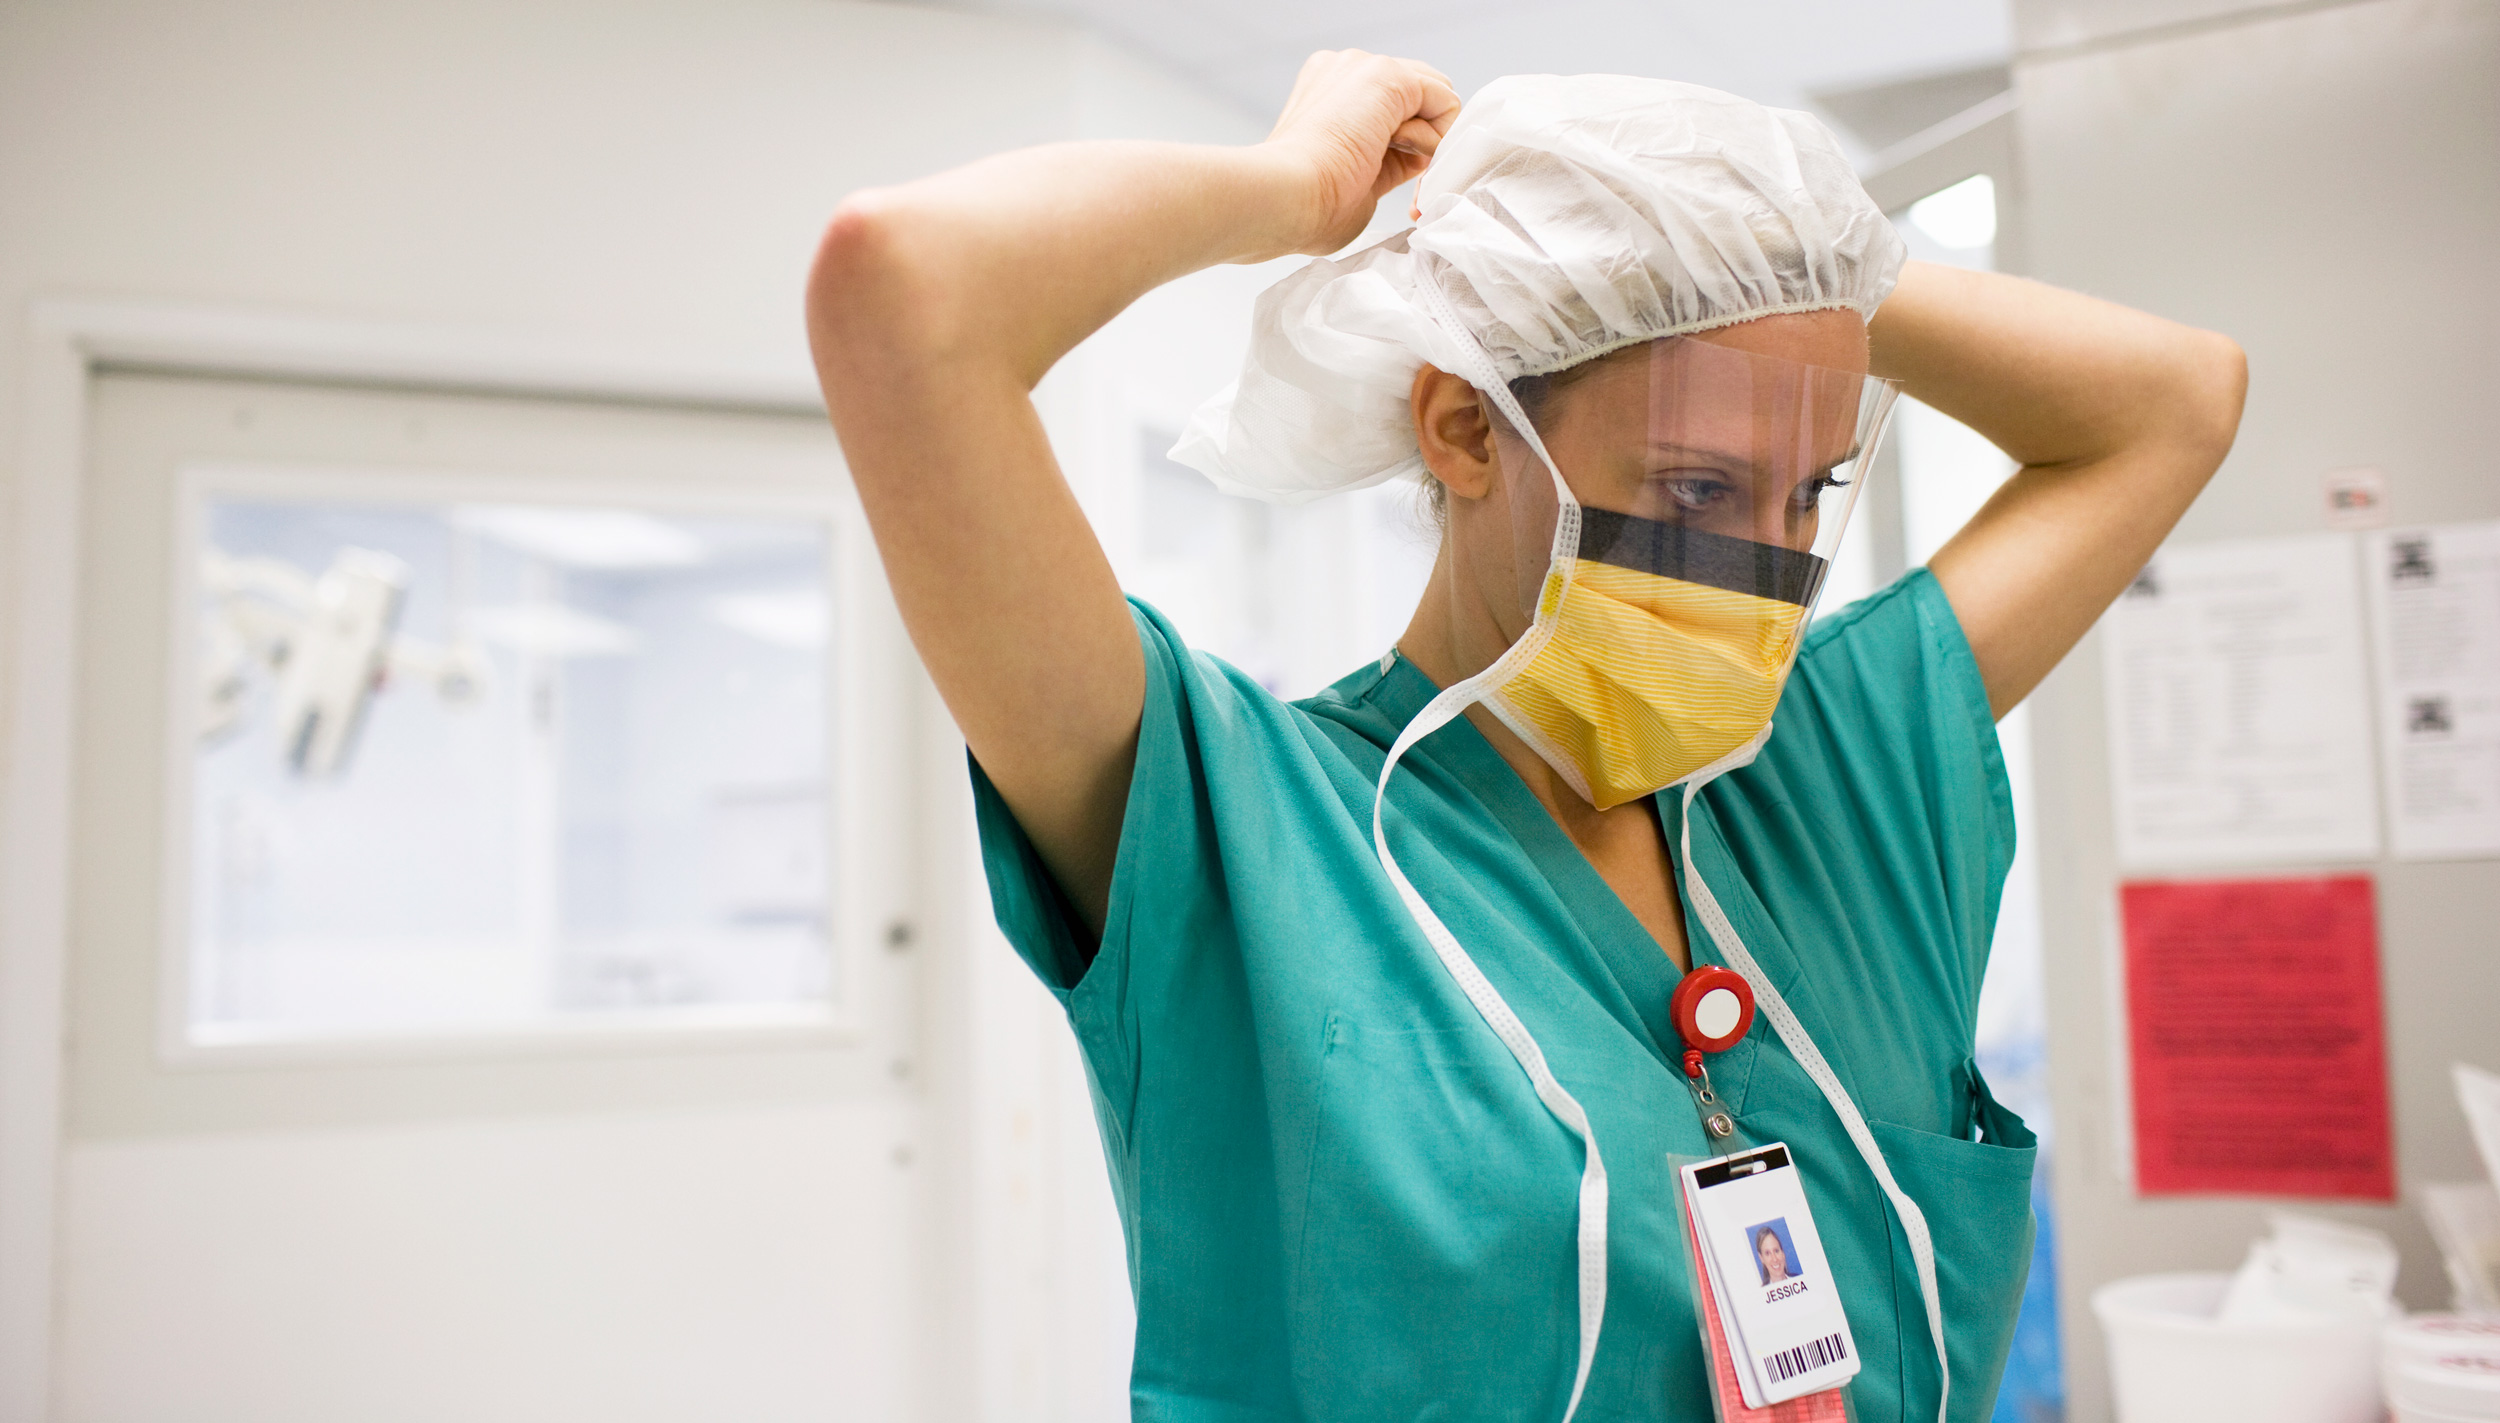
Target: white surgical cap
[1562, 218]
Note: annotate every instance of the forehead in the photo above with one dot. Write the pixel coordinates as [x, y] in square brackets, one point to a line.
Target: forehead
[1833, 340]
[1705, 396]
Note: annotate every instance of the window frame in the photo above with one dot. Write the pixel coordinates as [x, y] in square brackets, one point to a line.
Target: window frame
[857, 781]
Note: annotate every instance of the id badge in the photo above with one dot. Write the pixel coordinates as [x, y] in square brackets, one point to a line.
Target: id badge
[1772, 1286]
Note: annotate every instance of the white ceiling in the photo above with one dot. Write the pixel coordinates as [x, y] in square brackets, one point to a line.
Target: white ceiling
[1774, 51]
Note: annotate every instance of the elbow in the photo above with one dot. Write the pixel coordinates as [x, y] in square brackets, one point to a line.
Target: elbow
[2190, 397]
[870, 290]
[2217, 390]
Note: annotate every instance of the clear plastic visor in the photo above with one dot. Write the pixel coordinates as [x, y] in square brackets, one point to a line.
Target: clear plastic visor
[1687, 459]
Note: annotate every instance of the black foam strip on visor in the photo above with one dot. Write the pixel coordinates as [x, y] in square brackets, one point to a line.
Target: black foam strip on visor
[1697, 556]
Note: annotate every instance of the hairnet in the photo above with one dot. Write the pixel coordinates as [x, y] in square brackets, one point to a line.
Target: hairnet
[1562, 218]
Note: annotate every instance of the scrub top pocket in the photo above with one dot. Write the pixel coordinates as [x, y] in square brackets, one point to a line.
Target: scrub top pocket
[1976, 1195]
[1441, 1201]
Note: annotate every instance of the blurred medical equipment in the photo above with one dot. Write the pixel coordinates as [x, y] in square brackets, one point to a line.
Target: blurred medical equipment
[2465, 1217]
[2174, 1359]
[326, 642]
[2310, 1267]
[2292, 1337]
[2308, 1330]
[2478, 1092]
[1562, 218]
[2465, 1222]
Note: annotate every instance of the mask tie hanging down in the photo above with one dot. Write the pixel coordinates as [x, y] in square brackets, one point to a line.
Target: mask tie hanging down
[1488, 1002]
[1497, 1014]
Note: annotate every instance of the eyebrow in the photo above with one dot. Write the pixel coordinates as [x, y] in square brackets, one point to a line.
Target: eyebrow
[1732, 457]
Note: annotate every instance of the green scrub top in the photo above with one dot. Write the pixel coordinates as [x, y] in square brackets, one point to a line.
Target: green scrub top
[1341, 1195]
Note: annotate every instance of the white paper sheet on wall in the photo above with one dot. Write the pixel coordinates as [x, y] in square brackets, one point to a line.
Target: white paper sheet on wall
[2435, 626]
[2238, 704]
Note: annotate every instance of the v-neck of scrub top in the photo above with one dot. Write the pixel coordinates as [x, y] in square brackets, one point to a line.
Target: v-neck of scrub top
[1640, 969]
[1638, 964]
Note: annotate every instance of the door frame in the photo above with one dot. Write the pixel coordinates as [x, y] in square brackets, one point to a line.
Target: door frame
[68, 343]
[1980, 139]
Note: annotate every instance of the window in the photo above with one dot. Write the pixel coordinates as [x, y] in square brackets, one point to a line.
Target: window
[459, 765]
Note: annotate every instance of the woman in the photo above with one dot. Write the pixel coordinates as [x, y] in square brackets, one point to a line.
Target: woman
[1770, 1255]
[1360, 1095]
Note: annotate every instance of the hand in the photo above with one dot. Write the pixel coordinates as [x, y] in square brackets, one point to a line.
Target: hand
[1356, 126]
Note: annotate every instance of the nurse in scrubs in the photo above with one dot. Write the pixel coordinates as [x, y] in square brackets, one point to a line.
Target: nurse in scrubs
[1373, 988]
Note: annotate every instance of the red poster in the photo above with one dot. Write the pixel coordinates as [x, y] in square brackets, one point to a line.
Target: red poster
[2257, 1042]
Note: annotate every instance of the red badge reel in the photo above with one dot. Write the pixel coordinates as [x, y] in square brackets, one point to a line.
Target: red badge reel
[1712, 1008]
[1712, 1011]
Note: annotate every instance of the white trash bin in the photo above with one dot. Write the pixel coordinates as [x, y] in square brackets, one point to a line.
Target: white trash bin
[2442, 1368]
[2172, 1361]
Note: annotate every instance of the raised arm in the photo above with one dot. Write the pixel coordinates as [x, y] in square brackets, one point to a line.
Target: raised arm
[933, 310]
[2118, 419]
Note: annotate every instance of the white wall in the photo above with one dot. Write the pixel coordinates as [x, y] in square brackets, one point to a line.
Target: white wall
[654, 175]
[644, 1267]
[2323, 184]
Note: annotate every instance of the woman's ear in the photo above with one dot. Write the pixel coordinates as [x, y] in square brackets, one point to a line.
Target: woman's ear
[1453, 433]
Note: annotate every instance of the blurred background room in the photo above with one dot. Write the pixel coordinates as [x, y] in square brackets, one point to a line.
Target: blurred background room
[490, 920]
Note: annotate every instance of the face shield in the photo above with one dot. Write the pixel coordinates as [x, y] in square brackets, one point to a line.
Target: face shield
[1670, 518]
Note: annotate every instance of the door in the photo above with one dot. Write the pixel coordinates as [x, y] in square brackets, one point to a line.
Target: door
[488, 988]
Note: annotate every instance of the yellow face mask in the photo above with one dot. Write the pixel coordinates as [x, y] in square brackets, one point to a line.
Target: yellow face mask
[1646, 678]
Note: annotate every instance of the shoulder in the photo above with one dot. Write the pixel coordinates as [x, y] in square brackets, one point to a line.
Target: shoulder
[1891, 663]
[1210, 707]
[1884, 732]
[1219, 758]
[1911, 611]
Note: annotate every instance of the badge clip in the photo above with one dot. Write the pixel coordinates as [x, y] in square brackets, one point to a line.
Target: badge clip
[1714, 1115]
[1713, 1010]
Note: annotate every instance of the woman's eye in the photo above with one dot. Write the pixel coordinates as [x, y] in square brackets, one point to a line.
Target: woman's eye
[1694, 493]
[1812, 491]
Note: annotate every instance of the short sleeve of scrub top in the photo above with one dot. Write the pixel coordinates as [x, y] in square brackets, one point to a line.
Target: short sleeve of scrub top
[1341, 1196]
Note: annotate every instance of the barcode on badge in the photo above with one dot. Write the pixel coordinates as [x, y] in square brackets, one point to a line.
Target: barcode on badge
[1814, 1354]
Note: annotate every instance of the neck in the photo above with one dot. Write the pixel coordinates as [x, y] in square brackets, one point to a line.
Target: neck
[1453, 638]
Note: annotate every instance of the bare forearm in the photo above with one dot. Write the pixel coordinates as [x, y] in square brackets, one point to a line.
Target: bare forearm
[2051, 377]
[2118, 419]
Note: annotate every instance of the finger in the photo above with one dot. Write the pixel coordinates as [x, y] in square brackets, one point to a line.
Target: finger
[1396, 170]
[1437, 98]
[1416, 136]
[1414, 66]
